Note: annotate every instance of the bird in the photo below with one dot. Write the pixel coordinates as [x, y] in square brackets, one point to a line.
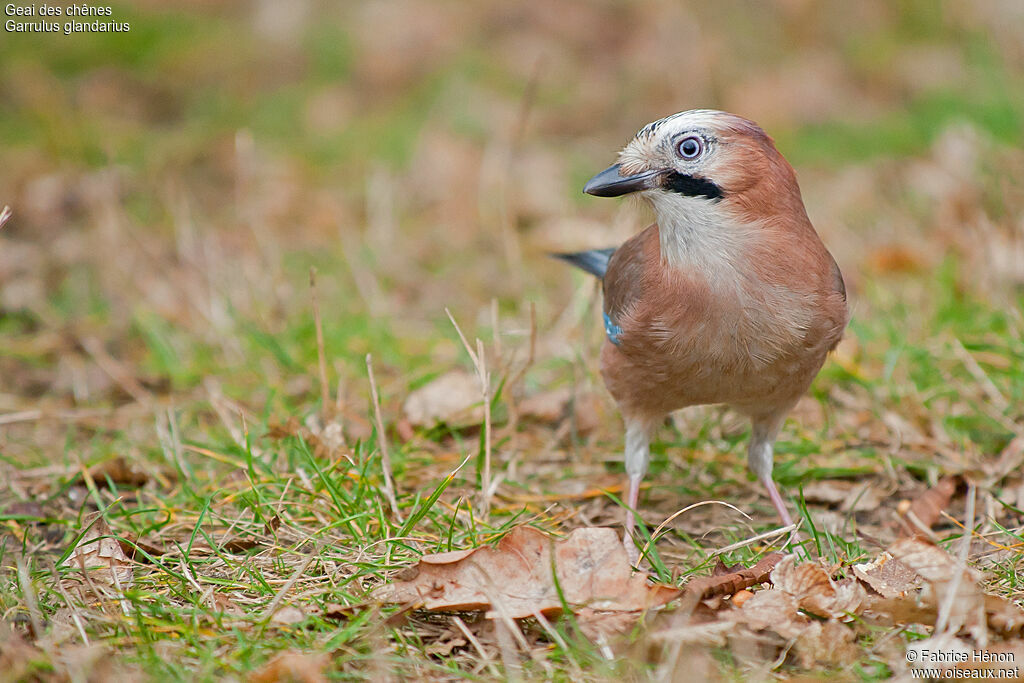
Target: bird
[730, 297]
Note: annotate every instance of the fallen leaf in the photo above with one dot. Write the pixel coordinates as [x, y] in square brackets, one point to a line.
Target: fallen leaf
[888, 577]
[17, 656]
[293, 665]
[443, 647]
[729, 580]
[1010, 460]
[99, 555]
[955, 587]
[816, 592]
[139, 550]
[844, 494]
[548, 406]
[777, 611]
[454, 398]
[552, 407]
[929, 561]
[926, 509]
[901, 611]
[240, 544]
[288, 615]
[829, 643]
[119, 472]
[225, 603]
[515, 577]
[1003, 616]
[774, 610]
[338, 612]
[25, 511]
[710, 634]
[327, 438]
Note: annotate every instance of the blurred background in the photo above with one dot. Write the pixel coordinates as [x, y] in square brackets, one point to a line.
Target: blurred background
[173, 185]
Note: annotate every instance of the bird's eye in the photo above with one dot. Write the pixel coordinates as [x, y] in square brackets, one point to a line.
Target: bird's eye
[690, 148]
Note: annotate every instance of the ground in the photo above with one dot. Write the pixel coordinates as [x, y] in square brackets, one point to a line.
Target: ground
[219, 215]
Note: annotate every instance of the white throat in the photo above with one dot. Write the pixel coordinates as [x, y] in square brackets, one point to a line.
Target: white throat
[697, 235]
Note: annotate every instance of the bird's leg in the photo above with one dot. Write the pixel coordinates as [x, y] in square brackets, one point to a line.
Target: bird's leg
[780, 504]
[760, 455]
[638, 439]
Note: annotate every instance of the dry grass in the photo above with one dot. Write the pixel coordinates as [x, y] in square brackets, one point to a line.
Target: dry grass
[163, 364]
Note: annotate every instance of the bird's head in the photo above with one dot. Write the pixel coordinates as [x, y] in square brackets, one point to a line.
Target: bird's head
[703, 160]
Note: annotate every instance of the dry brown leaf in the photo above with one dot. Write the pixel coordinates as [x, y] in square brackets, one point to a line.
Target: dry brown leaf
[846, 495]
[601, 624]
[118, 471]
[1010, 460]
[293, 665]
[902, 611]
[1001, 615]
[443, 648]
[100, 556]
[927, 507]
[888, 577]
[930, 561]
[515, 577]
[453, 398]
[226, 603]
[946, 575]
[1004, 617]
[17, 655]
[24, 509]
[1010, 653]
[287, 615]
[773, 610]
[709, 634]
[829, 643]
[240, 544]
[552, 407]
[729, 580]
[549, 406]
[805, 586]
[816, 592]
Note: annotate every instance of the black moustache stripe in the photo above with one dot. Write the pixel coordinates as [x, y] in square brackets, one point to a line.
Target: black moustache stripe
[692, 186]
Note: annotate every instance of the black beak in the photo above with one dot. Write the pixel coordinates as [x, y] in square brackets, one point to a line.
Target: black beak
[610, 183]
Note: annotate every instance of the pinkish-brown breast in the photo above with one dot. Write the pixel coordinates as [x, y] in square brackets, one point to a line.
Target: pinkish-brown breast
[687, 339]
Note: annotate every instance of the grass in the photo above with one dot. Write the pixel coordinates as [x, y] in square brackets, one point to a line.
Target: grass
[315, 524]
[160, 364]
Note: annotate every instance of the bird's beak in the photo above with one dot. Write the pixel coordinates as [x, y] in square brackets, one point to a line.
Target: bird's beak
[611, 183]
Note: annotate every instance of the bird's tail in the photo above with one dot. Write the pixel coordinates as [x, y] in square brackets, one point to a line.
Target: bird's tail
[594, 261]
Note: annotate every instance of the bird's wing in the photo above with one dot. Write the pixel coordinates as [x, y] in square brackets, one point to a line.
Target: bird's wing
[837, 278]
[624, 281]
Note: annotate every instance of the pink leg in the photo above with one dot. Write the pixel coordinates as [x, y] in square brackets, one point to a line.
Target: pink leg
[760, 454]
[638, 435]
[780, 504]
[632, 499]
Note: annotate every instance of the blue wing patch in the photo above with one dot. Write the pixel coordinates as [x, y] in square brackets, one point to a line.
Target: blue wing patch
[612, 330]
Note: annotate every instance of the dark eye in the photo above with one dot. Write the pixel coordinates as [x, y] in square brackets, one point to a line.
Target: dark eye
[690, 148]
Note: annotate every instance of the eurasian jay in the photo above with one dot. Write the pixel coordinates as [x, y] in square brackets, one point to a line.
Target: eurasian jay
[730, 297]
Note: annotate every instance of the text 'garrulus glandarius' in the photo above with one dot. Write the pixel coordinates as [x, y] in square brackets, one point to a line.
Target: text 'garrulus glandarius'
[730, 297]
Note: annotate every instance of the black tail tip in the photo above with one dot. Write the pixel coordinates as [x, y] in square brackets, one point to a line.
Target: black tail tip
[594, 261]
